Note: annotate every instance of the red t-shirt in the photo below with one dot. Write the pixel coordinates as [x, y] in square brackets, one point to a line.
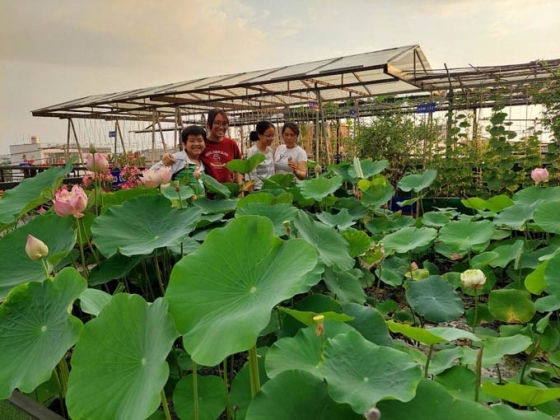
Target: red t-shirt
[215, 157]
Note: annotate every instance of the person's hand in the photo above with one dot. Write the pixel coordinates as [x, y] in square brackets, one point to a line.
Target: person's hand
[167, 159]
[292, 165]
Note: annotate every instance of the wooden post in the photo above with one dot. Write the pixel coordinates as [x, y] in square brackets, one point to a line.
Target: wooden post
[66, 153]
[119, 133]
[77, 142]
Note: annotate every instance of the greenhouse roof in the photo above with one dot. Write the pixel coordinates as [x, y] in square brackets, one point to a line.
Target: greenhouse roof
[397, 71]
[385, 72]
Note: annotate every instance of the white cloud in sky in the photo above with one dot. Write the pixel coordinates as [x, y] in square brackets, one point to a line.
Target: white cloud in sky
[53, 51]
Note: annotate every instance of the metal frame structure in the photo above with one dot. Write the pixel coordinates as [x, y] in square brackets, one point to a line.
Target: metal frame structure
[351, 82]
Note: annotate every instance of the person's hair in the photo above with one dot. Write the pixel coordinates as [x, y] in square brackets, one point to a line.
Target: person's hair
[253, 136]
[262, 126]
[213, 113]
[292, 126]
[192, 130]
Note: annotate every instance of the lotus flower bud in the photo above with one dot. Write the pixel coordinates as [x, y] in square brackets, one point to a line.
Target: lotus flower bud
[372, 414]
[539, 175]
[35, 248]
[97, 162]
[318, 320]
[473, 279]
[70, 203]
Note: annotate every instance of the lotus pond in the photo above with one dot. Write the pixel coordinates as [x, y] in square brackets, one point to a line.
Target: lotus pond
[301, 301]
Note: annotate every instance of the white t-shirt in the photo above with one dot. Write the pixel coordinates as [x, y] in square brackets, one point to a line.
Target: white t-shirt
[265, 169]
[283, 154]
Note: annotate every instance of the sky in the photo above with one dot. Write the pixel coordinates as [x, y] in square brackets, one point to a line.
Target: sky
[53, 51]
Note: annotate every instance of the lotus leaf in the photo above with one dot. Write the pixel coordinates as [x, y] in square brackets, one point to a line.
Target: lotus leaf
[211, 397]
[221, 296]
[319, 188]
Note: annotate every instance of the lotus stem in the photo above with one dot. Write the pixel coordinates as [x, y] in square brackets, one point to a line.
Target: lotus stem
[158, 273]
[228, 414]
[478, 379]
[427, 365]
[254, 371]
[45, 268]
[82, 255]
[528, 360]
[195, 391]
[165, 405]
[475, 310]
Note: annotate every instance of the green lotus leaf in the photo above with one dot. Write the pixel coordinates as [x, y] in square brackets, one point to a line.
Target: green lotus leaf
[378, 194]
[546, 216]
[408, 239]
[417, 182]
[302, 352]
[224, 306]
[434, 219]
[277, 214]
[361, 373]
[214, 186]
[256, 197]
[120, 196]
[92, 301]
[494, 204]
[461, 236]
[16, 267]
[368, 322]
[508, 253]
[341, 169]
[507, 412]
[295, 394]
[331, 246]
[367, 167]
[509, 305]
[430, 336]
[306, 317]
[345, 285]
[534, 194]
[460, 381]
[547, 304]
[116, 267]
[126, 229]
[393, 270]
[240, 391]
[516, 216]
[435, 299]
[535, 281]
[171, 193]
[434, 402]
[319, 188]
[355, 208]
[484, 259]
[244, 166]
[551, 276]
[343, 220]
[444, 359]
[497, 347]
[211, 397]
[358, 240]
[118, 365]
[215, 206]
[278, 181]
[382, 225]
[523, 395]
[30, 193]
[36, 330]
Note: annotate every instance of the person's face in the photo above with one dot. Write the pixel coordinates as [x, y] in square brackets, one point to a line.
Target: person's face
[219, 127]
[289, 137]
[194, 145]
[268, 136]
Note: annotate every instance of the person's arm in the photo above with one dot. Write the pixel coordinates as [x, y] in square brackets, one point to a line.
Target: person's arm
[301, 170]
[168, 159]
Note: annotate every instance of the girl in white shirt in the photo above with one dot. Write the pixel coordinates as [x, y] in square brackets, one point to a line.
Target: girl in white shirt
[289, 157]
[265, 134]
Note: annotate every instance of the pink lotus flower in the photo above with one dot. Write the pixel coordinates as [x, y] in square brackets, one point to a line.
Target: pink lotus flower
[539, 175]
[70, 203]
[97, 162]
[35, 248]
[154, 178]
